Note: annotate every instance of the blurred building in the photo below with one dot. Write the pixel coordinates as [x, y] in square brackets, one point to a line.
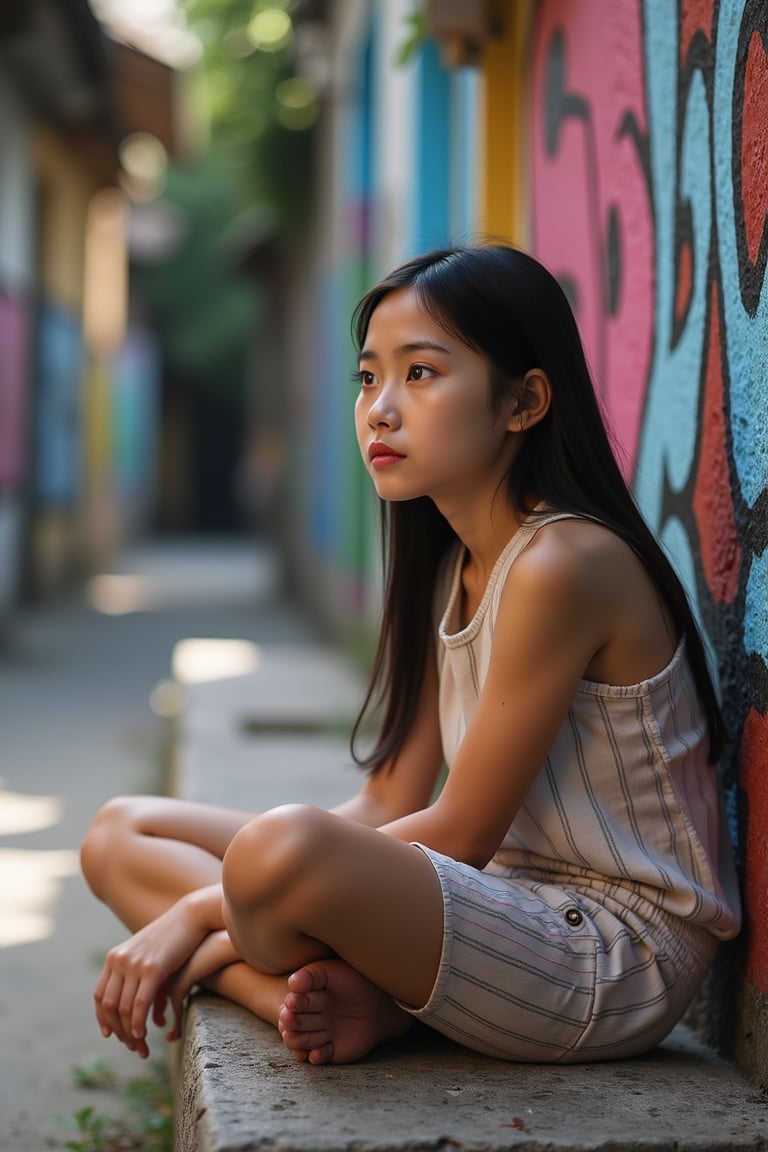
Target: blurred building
[78, 375]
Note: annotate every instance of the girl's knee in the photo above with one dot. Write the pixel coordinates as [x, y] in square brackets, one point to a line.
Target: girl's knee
[117, 819]
[272, 852]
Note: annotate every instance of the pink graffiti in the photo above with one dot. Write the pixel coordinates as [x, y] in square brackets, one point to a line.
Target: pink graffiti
[591, 216]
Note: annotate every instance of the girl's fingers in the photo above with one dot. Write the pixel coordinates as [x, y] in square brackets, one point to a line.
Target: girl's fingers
[159, 1007]
[101, 984]
[177, 993]
[141, 993]
[125, 1007]
[108, 1010]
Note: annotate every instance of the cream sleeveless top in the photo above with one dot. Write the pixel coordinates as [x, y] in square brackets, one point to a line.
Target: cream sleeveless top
[625, 805]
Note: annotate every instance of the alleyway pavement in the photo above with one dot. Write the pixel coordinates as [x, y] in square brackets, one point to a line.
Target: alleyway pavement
[76, 727]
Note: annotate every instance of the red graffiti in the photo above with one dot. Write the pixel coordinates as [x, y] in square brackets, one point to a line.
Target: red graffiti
[754, 148]
[712, 504]
[695, 16]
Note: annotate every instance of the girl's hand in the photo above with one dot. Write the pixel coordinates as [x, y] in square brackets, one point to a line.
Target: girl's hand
[214, 953]
[136, 970]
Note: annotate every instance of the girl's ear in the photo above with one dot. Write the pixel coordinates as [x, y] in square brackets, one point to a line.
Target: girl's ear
[533, 396]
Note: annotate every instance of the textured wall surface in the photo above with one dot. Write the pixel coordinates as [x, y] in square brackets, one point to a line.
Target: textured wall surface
[653, 114]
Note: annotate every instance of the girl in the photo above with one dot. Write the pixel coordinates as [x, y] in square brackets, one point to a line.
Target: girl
[562, 897]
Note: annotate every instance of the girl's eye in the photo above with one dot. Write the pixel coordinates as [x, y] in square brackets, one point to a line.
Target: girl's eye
[364, 378]
[419, 372]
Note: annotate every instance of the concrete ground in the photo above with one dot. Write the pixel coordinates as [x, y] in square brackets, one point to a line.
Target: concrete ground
[76, 727]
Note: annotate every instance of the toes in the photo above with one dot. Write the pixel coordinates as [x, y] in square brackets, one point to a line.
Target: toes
[296, 1002]
[288, 1021]
[305, 1041]
[308, 979]
[322, 1055]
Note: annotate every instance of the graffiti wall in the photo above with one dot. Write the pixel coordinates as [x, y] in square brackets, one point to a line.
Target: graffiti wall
[653, 114]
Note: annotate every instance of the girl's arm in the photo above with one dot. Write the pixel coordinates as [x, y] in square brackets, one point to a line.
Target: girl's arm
[407, 786]
[550, 623]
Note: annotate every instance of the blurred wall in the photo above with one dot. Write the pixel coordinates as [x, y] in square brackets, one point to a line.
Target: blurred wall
[17, 276]
[398, 158]
[78, 377]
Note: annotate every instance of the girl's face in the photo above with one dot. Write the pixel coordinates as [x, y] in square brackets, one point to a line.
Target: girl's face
[423, 416]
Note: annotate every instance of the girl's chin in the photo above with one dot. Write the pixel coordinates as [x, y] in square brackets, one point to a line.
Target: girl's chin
[396, 493]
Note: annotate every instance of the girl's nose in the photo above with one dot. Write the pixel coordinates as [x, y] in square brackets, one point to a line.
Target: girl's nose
[383, 413]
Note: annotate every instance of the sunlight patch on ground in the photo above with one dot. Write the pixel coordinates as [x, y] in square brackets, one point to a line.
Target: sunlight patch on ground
[29, 885]
[119, 595]
[19, 814]
[200, 661]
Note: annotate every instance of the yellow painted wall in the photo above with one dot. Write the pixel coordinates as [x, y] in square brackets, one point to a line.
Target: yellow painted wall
[64, 194]
[504, 212]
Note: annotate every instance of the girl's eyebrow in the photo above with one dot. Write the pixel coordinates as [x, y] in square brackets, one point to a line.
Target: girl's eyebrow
[408, 349]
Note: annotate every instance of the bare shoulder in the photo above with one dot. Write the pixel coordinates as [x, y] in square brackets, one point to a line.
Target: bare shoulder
[578, 557]
[584, 539]
[585, 578]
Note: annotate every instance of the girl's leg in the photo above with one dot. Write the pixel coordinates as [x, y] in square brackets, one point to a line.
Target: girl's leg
[143, 853]
[362, 910]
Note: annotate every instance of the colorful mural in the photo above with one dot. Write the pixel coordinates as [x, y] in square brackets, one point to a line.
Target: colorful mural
[653, 114]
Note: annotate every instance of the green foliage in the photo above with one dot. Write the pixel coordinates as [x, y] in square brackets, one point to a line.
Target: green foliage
[91, 1129]
[248, 120]
[253, 181]
[201, 307]
[96, 1074]
[148, 1126]
[416, 35]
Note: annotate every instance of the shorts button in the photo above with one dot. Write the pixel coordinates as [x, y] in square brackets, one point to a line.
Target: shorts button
[574, 917]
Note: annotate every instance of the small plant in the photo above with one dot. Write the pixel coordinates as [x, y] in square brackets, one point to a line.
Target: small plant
[148, 1125]
[150, 1101]
[91, 1129]
[96, 1074]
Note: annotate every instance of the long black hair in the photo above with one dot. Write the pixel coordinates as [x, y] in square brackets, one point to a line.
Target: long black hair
[506, 306]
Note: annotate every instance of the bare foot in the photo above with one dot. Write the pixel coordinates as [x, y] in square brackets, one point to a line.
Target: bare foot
[334, 1015]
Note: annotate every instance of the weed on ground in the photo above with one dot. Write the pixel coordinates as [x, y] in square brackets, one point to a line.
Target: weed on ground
[145, 1122]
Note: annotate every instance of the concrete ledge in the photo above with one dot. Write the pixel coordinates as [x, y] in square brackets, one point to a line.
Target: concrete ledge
[272, 737]
[240, 1089]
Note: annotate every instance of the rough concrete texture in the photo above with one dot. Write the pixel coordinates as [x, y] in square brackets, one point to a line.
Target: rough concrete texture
[242, 1090]
[751, 1036]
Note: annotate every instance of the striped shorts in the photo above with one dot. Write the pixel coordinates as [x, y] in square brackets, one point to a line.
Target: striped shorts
[535, 972]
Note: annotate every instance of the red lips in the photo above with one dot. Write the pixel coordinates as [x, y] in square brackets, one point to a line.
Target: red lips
[379, 448]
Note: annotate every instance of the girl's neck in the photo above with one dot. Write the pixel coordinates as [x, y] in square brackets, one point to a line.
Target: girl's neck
[484, 537]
